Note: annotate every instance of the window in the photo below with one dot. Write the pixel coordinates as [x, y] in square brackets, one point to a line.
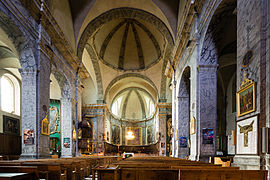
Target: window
[10, 94]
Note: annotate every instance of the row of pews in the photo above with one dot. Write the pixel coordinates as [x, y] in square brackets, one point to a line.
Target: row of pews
[75, 168]
[166, 168]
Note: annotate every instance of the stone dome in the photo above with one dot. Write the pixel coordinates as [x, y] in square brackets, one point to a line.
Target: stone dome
[129, 44]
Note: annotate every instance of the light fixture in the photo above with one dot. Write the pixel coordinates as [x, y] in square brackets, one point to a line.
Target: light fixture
[130, 135]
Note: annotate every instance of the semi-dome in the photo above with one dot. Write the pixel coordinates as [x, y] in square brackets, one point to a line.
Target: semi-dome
[133, 104]
[129, 44]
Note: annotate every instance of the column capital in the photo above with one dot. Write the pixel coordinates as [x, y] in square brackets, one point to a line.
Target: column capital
[208, 67]
[28, 71]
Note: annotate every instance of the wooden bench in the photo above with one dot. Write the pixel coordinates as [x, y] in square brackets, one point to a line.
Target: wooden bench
[31, 170]
[16, 176]
[222, 174]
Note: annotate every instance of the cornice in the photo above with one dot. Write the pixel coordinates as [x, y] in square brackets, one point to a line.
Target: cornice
[56, 34]
[183, 33]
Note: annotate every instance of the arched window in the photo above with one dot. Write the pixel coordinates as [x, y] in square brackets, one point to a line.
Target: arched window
[10, 94]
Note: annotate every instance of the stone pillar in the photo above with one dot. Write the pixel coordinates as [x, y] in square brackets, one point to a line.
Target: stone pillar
[208, 109]
[164, 109]
[29, 108]
[66, 121]
[183, 118]
[44, 100]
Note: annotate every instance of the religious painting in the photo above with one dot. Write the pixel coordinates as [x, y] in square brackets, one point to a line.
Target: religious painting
[45, 126]
[163, 145]
[66, 142]
[54, 125]
[137, 132]
[192, 126]
[11, 125]
[247, 136]
[169, 132]
[115, 134]
[246, 98]
[183, 141]
[208, 136]
[54, 116]
[28, 136]
[150, 134]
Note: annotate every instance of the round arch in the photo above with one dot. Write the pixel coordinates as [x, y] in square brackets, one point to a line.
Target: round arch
[128, 75]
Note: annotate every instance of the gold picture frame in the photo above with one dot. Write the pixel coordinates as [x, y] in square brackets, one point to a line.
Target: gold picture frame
[246, 98]
[45, 126]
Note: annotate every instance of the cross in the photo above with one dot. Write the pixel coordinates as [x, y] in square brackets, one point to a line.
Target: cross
[245, 129]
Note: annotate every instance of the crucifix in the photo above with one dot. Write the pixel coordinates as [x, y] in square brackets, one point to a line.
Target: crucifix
[245, 129]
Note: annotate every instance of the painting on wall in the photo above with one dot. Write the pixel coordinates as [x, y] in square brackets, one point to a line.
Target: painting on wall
[192, 126]
[54, 125]
[11, 125]
[246, 98]
[183, 142]
[208, 136]
[169, 131]
[137, 131]
[45, 126]
[150, 134]
[66, 142]
[29, 136]
[247, 136]
[115, 135]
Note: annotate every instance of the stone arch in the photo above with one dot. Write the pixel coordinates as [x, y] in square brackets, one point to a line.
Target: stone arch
[122, 13]
[118, 78]
[20, 39]
[66, 111]
[208, 64]
[94, 59]
[183, 111]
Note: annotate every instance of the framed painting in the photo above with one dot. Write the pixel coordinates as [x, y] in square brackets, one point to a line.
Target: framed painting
[45, 126]
[29, 136]
[246, 100]
[11, 125]
[247, 136]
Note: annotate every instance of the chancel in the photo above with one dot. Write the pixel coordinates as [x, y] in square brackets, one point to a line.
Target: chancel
[180, 85]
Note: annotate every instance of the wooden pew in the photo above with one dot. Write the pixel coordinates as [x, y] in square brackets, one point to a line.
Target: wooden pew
[222, 174]
[48, 170]
[31, 170]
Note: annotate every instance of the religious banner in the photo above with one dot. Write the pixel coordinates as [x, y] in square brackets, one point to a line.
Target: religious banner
[247, 136]
[208, 136]
[183, 142]
[66, 142]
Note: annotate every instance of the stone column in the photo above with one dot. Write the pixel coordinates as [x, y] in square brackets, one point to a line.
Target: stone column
[66, 121]
[208, 108]
[183, 118]
[164, 110]
[29, 108]
[44, 101]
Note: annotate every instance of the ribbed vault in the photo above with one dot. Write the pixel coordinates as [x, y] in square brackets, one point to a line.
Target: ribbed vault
[129, 44]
